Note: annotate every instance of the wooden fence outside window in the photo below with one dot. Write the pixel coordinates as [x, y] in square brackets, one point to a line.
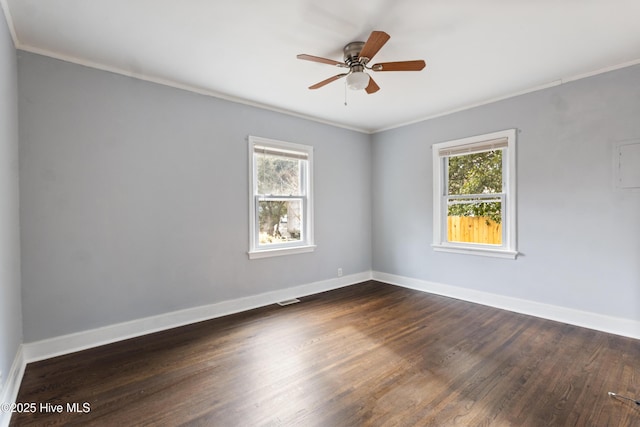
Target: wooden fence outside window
[474, 230]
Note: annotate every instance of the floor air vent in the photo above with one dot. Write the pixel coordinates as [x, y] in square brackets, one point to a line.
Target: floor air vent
[288, 302]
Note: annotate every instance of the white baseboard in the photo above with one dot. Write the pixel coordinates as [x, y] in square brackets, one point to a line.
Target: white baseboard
[40, 350]
[613, 325]
[12, 385]
[65, 344]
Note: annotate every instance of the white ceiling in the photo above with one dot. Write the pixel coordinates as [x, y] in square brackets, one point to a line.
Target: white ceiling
[245, 50]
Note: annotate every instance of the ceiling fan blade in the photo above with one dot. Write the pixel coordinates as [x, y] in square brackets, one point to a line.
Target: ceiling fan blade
[400, 66]
[376, 40]
[327, 81]
[319, 59]
[372, 87]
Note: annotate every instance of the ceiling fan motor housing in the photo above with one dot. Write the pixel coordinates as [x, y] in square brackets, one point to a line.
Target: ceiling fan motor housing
[352, 55]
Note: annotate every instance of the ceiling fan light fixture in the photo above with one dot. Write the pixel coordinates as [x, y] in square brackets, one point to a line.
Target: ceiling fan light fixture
[357, 80]
[356, 57]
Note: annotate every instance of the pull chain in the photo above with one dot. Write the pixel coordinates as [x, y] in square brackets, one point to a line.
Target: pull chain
[345, 94]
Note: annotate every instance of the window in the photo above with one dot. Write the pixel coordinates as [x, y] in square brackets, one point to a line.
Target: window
[474, 204]
[281, 214]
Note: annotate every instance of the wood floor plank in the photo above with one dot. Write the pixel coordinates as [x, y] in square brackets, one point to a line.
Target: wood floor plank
[368, 355]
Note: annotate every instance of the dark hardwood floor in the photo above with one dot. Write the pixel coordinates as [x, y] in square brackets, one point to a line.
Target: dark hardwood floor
[368, 355]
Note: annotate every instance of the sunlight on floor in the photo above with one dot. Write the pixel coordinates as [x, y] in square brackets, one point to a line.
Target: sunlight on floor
[286, 356]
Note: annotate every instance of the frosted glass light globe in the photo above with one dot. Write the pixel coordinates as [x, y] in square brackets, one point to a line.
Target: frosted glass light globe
[357, 80]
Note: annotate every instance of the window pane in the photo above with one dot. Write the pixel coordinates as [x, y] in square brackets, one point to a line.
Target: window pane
[477, 173]
[280, 221]
[475, 220]
[278, 175]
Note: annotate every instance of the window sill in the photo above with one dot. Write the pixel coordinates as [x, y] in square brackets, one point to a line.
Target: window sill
[496, 253]
[266, 253]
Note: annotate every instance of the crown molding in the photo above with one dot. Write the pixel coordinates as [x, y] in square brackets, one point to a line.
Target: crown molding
[181, 86]
[537, 88]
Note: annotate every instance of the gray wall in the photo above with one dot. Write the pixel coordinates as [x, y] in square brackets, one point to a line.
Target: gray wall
[579, 236]
[135, 199]
[10, 305]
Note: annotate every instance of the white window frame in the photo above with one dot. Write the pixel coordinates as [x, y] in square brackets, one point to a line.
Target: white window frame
[256, 250]
[473, 144]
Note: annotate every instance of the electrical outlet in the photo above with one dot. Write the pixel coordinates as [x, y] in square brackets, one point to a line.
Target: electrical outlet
[340, 272]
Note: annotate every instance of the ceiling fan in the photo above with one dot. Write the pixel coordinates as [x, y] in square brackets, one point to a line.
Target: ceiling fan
[356, 58]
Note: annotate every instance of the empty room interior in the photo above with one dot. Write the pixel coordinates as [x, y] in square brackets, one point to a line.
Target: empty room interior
[333, 213]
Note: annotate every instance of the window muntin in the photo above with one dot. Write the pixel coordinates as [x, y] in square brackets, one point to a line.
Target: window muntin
[281, 203]
[474, 195]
